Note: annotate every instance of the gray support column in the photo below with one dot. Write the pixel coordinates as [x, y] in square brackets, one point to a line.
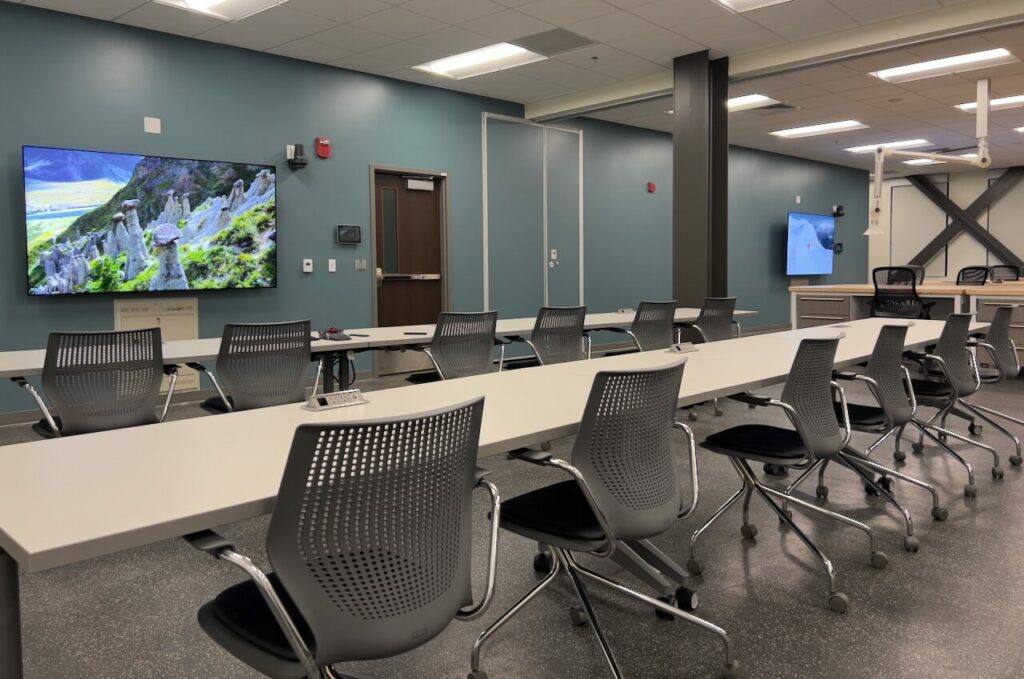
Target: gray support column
[700, 177]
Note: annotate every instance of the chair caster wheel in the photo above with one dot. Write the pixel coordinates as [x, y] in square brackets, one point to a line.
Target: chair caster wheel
[687, 599]
[751, 406]
[692, 416]
[917, 447]
[911, 543]
[879, 560]
[718, 412]
[975, 429]
[838, 602]
[942, 437]
[775, 470]
[970, 490]
[542, 562]
[1016, 460]
[940, 513]
[479, 674]
[899, 456]
[694, 567]
[748, 531]
[731, 671]
[665, 615]
[578, 616]
[821, 492]
[998, 473]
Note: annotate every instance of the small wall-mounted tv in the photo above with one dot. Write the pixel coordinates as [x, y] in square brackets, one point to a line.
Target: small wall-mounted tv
[100, 222]
[809, 251]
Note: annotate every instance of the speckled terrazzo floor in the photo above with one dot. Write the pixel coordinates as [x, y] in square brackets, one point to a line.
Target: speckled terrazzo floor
[951, 610]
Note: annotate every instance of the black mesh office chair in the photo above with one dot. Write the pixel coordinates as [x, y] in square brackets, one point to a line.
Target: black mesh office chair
[463, 344]
[558, 335]
[957, 377]
[816, 435]
[919, 270]
[371, 545]
[624, 489]
[714, 323]
[260, 365]
[101, 380]
[1003, 353]
[896, 294]
[1004, 272]
[888, 381]
[653, 326]
[972, 275]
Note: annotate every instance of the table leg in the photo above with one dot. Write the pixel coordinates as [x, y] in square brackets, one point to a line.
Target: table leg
[10, 619]
[329, 359]
[343, 372]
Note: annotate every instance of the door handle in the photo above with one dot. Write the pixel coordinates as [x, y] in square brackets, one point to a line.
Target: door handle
[379, 274]
[412, 276]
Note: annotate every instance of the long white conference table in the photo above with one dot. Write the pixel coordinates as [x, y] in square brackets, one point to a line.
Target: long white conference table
[72, 499]
[29, 362]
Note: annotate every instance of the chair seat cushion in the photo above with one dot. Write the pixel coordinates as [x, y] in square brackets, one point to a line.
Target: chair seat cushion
[241, 611]
[931, 388]
[861, 415]
[559, 511]
[759, 442]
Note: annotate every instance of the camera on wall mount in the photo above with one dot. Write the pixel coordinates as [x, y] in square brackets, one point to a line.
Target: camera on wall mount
[296, 156]
[838, 211]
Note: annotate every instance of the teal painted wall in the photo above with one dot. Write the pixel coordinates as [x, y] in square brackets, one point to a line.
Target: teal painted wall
[762, 192]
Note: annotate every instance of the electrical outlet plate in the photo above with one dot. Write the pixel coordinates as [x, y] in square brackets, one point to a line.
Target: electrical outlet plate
[332, 265]
[307, 266]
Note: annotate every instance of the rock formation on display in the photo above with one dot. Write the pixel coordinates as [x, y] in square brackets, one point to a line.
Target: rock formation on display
[170, 274]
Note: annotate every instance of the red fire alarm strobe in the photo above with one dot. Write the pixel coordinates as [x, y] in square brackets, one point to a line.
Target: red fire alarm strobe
[323, 147]
[651, 187]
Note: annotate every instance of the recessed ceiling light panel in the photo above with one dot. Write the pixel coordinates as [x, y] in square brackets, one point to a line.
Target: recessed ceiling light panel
[823, 128]
[1015, 101]
[749, 101]
[747, 5]
[228, 10]
[904, 144]
[946, 66]
[481, 61]
[923, 161]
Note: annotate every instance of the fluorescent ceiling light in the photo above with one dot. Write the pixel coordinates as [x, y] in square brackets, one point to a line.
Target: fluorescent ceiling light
[905, 144]
[968, 155]
[671, 111]
[749, 101]
[481, 61]
[923, 161]
[995, 104]
[945, 66]
[823, 128]
[1019, 129]
[228, 10]
[747, 5]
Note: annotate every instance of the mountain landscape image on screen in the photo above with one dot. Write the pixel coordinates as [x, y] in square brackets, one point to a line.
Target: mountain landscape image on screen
[113, 222]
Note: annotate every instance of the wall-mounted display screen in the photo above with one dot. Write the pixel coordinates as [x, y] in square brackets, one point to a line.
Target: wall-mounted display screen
[112, 222]
[810, 247]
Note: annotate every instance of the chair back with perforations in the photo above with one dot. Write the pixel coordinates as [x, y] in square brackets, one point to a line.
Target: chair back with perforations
[463, 343]
[1004, 272]
[896, 293]
[919, 270]
[624, 449]
[558, 334]
[998, 337]
[654, 325]
[972, 275]
[715, 319]
[371, 534]
[952, 349]
[264, 364]
[885, 367]
[808, 391]
[98, 381]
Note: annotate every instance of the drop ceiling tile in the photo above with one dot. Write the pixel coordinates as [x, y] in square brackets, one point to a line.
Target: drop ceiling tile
[821, 74]
[169, 20]
[453, 11]
[951, 47]
[730, 34]
[352, 39]
[610, 26]
[856, 82]
[565, 12]
[364, 64]
[955, 93]
[513, 3]
[240, 35]
[566, 75]
[97, 9]
[870, 11]
[676, 13]
[309, 50]
[628, 4]
[508, 25]
[798, 19]
[789, 95]
[398, 23]
[288, 22]
[659, 45]
[610, 61]
[454, 39]
[342, 12]
[404, 55]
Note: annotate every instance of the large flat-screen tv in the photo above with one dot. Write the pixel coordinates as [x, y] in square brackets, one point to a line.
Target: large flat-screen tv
[99, 222]
[809, 251]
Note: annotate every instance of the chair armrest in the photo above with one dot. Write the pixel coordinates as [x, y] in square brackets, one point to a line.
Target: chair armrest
[532, 456]
[479, 474]
[845, 375]
[752, 399]
[694, 476]
[472, 612]
[40, 403]
[171, 369]
[209, 541]
[195, 365]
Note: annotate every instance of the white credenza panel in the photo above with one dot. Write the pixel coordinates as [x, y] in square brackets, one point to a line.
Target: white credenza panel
[178, 319]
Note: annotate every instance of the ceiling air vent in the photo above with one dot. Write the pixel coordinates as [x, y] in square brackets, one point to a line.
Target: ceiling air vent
[550, 43]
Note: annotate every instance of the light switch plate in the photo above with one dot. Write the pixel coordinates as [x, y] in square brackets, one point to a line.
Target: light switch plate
[361, 264]
[307, 266]
[332, 265]
[554, 254]
[151, 125]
